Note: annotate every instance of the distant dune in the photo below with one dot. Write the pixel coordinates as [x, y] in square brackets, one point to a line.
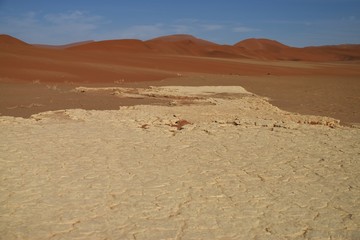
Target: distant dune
[183, 44]
[162, 57]
[273, 50]
[254, 44]
[264, 49]
[183, 37]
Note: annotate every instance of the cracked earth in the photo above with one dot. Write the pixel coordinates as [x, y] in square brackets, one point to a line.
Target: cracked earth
[221, 168]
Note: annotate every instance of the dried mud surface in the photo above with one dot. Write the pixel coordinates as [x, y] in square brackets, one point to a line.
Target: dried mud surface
[223, 167]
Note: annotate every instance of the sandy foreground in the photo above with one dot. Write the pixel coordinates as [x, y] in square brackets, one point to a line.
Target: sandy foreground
[217, 163]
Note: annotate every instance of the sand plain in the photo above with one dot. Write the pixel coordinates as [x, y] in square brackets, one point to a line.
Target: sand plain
[179, 138]
[333, 96]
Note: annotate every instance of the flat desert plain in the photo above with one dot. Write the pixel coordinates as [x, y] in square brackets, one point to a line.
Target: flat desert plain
[179, 138]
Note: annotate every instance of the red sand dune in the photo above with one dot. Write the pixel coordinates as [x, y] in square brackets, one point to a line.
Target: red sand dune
[273, 50]
[253, 44]
[6, 40]
[136, 60]
[179, 44]
[340, 52]
[182, 38]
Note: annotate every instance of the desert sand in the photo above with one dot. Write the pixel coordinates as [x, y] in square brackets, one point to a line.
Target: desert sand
[179, 138]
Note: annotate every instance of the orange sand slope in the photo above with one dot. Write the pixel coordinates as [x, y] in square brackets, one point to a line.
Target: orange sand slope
[135, 60]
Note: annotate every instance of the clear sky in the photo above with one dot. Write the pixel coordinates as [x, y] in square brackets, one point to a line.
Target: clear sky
[292, 22]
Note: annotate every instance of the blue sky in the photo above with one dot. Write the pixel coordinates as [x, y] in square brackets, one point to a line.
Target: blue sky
[292, 22]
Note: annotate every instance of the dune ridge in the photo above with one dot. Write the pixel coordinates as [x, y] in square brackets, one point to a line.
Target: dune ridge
[264, 49]
[184, 44]
[135, 60]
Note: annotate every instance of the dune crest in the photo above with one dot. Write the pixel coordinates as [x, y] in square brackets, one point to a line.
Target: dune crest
[9, 40]
[260, 44]
[182, 38]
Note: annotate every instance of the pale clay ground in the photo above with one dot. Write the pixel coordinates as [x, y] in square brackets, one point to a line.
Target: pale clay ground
[242, 169]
